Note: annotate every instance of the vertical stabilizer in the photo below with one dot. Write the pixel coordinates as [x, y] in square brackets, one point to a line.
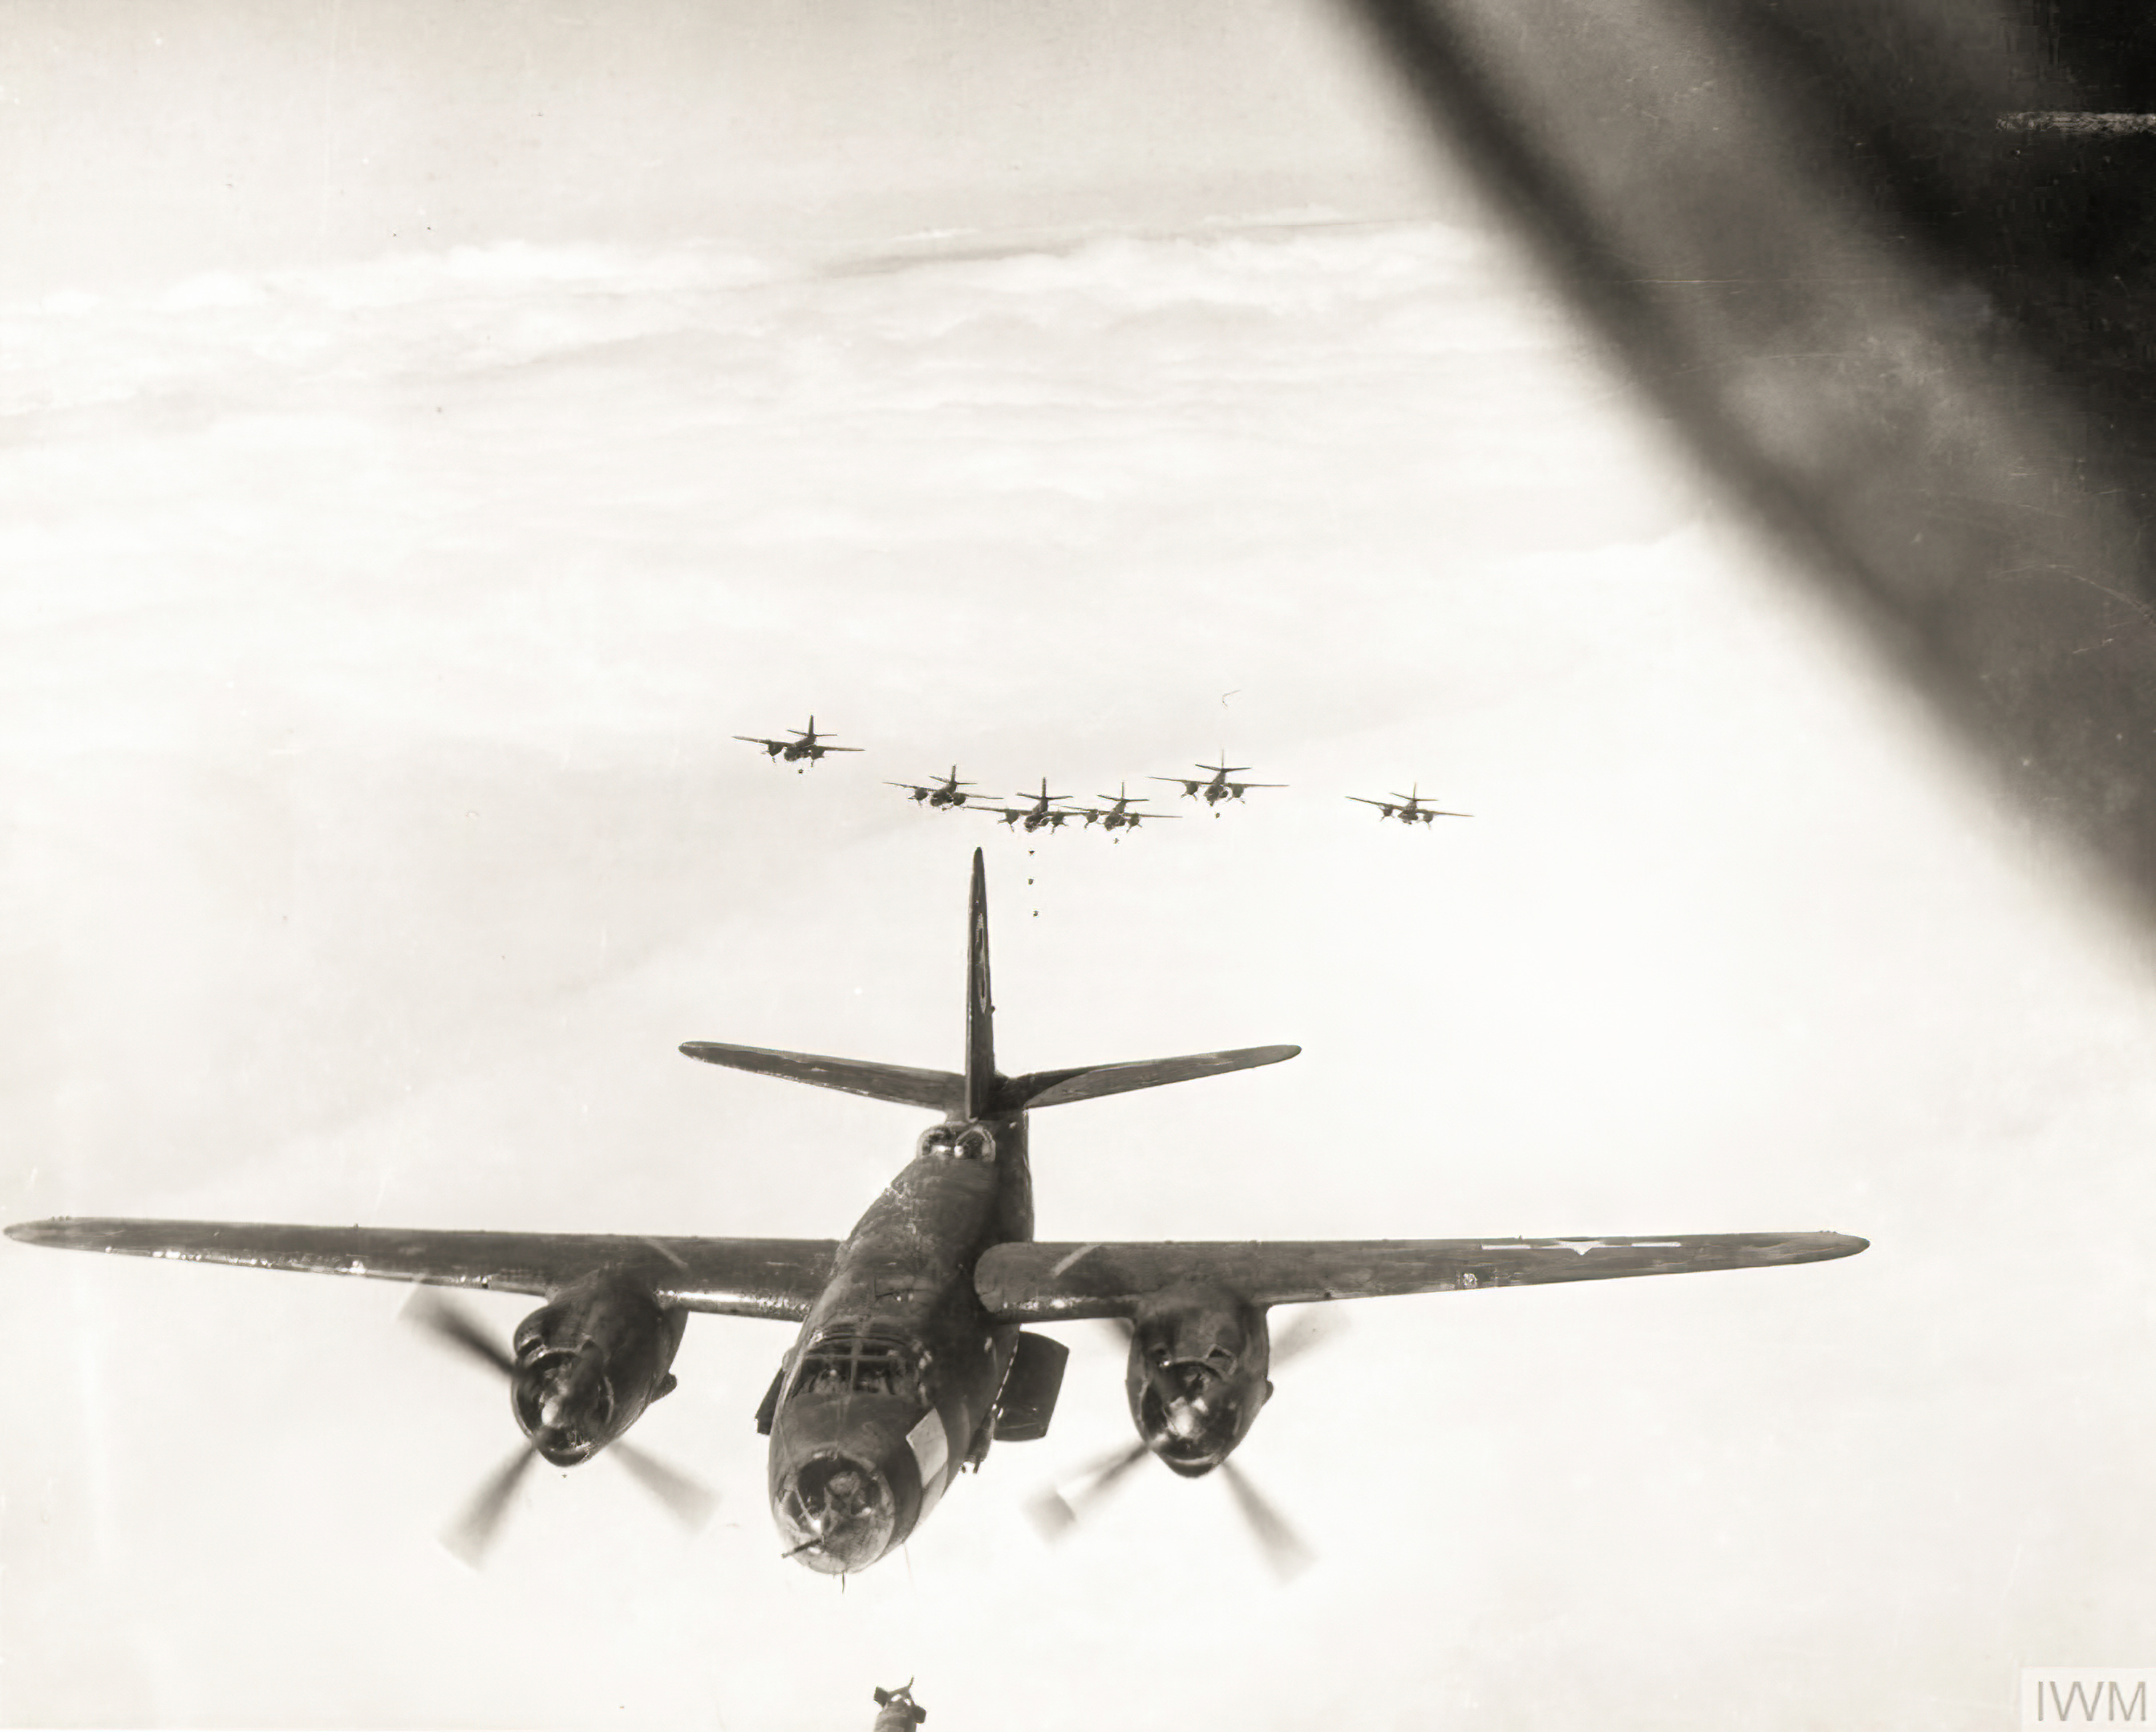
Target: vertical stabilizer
[980, 1007]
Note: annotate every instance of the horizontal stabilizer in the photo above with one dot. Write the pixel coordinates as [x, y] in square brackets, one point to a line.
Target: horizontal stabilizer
[1087, 1082]
[940, 1090]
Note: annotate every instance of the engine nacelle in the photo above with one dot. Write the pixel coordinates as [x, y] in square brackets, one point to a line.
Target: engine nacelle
[1197, 1375]
[588, 1363]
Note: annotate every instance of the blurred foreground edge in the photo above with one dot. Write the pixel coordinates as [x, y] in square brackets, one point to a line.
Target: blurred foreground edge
[1862, 256]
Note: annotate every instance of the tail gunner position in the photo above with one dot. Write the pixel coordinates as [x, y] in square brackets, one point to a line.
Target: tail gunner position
[911, 1357]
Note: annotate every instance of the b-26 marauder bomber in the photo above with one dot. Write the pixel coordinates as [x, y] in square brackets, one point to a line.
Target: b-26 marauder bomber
[806, 744]
[913, 1355]
[1043, 813]
[1118, 815]
[949, 792]
[1408, 808]
[1219, 788]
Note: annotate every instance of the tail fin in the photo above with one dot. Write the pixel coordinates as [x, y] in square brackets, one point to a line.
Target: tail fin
[981, 1078]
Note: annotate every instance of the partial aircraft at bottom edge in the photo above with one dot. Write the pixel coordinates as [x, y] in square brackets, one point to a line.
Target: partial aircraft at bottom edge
[912, 1357]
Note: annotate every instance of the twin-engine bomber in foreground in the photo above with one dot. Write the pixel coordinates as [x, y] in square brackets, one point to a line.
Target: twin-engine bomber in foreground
[912, 1355]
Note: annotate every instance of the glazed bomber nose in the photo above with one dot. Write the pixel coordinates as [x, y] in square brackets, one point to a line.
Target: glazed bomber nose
[846, 1506]
[850, 1488]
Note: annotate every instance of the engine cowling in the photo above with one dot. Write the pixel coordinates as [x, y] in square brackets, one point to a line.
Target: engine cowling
[1197, 1375]
[588, 1363]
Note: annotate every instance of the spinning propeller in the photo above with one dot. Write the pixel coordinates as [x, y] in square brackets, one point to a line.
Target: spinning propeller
[473, 1532]
[1055, 1512]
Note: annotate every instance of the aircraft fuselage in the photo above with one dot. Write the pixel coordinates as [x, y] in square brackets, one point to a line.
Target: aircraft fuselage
[890, 1387]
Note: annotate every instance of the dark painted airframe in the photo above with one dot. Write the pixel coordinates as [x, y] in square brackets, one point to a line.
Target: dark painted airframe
[911, 1357]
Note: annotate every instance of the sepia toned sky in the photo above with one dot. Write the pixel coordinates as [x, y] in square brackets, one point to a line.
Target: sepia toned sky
[429, 436]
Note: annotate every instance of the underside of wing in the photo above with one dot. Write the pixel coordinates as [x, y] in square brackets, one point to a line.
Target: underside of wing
[1033, 1282]
[736, 1277]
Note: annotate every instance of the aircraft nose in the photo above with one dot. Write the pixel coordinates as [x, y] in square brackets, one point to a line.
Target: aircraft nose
[838, 1512]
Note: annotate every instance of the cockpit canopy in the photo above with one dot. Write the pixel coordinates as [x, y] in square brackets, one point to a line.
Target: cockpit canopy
[967, 1142]
[845, 1361]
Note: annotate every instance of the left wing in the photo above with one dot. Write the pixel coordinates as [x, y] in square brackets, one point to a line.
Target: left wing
[735, 1278]
[1035, 1282]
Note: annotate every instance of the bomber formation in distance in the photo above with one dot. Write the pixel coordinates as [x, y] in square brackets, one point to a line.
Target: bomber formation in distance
[1045, 810]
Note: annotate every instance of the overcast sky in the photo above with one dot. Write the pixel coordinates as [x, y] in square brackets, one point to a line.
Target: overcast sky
[380, 603]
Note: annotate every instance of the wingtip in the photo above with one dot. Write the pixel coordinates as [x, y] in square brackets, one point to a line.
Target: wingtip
[59, 1230]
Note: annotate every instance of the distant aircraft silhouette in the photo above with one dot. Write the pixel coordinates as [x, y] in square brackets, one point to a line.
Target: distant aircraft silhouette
[946, 793]
[806, 744]
[1409, 808]
[1219, 788]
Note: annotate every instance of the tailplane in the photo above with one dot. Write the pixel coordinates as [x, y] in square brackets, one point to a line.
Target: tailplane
[1089, 1083]
[980, 1093]
[902, 1083]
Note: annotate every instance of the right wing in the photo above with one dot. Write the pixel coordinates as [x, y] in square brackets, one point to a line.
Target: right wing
[733, 1277]
[1031, 1283]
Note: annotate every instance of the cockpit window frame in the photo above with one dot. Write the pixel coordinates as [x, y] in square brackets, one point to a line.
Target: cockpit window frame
[852, 1362]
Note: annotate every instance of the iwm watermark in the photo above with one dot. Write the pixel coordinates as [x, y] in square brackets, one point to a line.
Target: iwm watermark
[2086, 1695]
